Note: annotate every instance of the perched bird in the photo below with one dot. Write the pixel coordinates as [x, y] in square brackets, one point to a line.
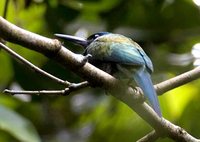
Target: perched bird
[117, 54]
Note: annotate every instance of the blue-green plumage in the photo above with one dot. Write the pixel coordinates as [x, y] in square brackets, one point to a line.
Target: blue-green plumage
[116, 53]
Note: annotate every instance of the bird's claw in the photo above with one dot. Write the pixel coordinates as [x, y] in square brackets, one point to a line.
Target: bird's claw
[138, 93]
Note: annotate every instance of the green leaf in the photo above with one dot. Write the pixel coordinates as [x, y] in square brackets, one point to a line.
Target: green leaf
[17, 126]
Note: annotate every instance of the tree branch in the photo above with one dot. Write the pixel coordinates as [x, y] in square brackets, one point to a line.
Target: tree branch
[178, 81]
[151, 137]
[5, 9]
[33, 67]
[64, 92]
[54, 50]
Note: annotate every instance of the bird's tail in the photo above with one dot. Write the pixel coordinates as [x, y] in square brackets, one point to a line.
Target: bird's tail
[143, 80]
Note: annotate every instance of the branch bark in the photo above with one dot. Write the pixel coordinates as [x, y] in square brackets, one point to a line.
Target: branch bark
[54, 50]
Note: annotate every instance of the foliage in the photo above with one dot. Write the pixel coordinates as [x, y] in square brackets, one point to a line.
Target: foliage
[166, 29]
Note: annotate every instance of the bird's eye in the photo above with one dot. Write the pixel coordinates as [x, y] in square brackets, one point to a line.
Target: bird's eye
[95, 36]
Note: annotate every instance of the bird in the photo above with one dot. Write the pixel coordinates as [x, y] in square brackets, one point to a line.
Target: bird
[120, 55]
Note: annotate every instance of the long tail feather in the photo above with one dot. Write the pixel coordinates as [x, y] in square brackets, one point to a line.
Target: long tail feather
[143, 79]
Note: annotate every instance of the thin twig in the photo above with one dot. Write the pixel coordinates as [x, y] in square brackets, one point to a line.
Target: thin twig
[150, 137]
[72, 86]
[41, 92]
[5, 9]
[32, 66]
[75, 86]
[66, 91]
[178, 81]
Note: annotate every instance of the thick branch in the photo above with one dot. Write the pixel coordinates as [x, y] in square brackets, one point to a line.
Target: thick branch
[53, 49]
[25, 38]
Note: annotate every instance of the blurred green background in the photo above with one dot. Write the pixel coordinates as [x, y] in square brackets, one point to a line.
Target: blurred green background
[169, 32]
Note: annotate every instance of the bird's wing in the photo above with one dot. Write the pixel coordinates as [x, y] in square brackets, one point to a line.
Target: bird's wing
[127, 54]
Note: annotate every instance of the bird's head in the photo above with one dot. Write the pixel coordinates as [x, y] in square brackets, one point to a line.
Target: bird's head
[81, 41]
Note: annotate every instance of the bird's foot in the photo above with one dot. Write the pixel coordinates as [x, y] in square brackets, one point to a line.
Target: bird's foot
[138, 94]
[82, 59]
[86, 57]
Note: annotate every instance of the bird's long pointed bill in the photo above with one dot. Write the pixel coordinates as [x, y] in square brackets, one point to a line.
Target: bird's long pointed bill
[78, 40]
